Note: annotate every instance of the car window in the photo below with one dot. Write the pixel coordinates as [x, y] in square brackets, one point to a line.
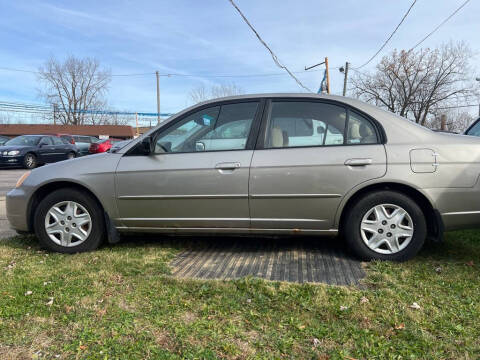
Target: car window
[47, 140]
[57, 141]
[301, 123]
[360, 130]
[474, 130]
[217, 128]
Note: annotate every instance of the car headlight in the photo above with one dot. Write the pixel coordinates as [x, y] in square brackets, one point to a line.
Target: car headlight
[13, 153]
[22, 179]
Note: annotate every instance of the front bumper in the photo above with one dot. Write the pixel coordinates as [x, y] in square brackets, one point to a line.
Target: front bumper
[11, 160]
[17, 209]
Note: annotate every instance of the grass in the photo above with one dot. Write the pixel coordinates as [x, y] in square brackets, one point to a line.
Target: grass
[120, 303]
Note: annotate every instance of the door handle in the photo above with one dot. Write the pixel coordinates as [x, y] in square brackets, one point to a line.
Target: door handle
[227, 166]
[358, 162]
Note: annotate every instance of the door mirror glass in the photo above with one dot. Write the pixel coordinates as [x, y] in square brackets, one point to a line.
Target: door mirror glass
[320, 130]
[199, 146]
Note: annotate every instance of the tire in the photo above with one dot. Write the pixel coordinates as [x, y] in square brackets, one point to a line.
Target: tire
[71, 155]
[371, 212]
[83, 202]
[30, 161]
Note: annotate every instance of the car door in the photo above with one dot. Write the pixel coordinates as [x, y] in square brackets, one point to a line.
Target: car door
[46, 150]
[184, 185]
[61, 147]
[309, 155]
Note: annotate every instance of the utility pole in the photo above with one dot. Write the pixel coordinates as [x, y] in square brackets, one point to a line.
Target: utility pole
[55, 109]
[158, 96]
[328, 75]
[345, 78]
[443, 122]
[326, 72]
[136, 123]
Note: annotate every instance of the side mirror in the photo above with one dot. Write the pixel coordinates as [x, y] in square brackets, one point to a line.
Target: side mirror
[320, 130]
[147, 145]
[199, 146]
[42, 144]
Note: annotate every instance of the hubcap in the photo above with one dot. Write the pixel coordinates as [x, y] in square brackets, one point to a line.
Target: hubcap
[386, 229]
[68, 223]
[29, 160]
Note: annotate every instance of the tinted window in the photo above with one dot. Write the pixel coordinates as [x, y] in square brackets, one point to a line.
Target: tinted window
[302, 123]
[47, 140]
[360, 130]
[223, 127]
[57, 141]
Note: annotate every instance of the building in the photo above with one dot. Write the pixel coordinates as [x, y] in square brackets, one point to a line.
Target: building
[100, 131]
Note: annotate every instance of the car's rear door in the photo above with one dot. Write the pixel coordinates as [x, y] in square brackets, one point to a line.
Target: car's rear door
[46, 150]
[309, 155]
[62, 148]
[185, 185]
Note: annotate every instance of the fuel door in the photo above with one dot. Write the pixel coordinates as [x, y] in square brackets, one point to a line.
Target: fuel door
[423, 160]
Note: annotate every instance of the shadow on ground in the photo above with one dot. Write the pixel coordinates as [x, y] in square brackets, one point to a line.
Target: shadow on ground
[291, 259]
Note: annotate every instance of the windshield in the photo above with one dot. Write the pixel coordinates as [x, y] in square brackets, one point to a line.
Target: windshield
[84, 139]
[475, 129]
[24, 141]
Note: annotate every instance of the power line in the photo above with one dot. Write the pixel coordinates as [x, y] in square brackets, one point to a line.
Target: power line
[441, 24]
[391, 35]
[274, 57]
[187, 75]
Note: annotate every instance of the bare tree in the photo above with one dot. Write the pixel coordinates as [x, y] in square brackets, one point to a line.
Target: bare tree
[75, 87]
[201, 93]
[415, 84]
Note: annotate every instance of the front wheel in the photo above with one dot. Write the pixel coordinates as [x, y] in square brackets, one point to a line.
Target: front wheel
[71, 155]
[29, 161]
[69, 221]
[385, 225]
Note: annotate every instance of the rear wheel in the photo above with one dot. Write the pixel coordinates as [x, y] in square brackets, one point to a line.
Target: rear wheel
[385, 225]
[71, 155]
[29, 161]
[69, 221]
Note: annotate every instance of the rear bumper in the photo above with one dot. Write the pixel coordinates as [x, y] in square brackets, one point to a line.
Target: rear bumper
[17, 209]
[459, 208]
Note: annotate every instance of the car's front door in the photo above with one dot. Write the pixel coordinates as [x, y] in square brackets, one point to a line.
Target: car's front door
[311, 153]
[184, 184]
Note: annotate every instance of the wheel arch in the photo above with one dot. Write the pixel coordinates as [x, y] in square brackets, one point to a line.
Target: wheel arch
[432, 216]
[48, 188]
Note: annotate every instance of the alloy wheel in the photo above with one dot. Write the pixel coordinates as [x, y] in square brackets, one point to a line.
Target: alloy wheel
[29, 161]
[387, 228]
[68, 223]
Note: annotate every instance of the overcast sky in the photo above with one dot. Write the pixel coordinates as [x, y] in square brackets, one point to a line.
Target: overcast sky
[208, 37]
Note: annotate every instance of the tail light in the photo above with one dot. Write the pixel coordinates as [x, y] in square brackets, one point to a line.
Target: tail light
[93, 148]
